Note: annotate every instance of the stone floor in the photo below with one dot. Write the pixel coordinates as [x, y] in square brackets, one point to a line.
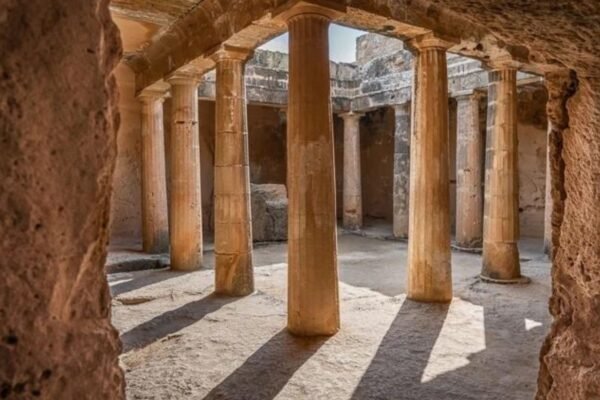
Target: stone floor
[182, 342]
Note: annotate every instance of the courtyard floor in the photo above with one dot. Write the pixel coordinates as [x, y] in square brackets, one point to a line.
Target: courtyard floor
[182, 342]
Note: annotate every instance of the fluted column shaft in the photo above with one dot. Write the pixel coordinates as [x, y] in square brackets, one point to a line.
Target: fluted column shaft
[185, 201]
[313, 306]
[155, 223]
[233, 225]
[401, 169]
[501, 213]
[352, 213]
[469, 173]
[429, 269]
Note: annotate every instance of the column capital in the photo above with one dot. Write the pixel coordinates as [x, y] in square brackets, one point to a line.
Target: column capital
[183, 78]
[229, 52]
[351, 115]
[431, 40]
[324, 8]
[505, 62]
[150, 95]
[466, 95]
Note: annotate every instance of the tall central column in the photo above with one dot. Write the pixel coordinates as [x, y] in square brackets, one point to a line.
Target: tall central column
[155, 224]
[429, 269]
[233, 225]
[501, 214]
[469, 173]
[352, 216]
[313, 305]
[185, 201]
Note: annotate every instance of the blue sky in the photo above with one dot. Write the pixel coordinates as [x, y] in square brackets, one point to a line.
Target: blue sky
[342, 43]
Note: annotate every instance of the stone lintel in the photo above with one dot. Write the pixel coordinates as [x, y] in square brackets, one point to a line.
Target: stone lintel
[477, 93]
[191, 72]
[431, 40]
[151, 94]
[503, 63]
[326, 8]
[157, 89]
[184, 77]
[229, 52]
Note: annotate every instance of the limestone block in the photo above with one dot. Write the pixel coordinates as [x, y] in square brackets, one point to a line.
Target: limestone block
[269, 212]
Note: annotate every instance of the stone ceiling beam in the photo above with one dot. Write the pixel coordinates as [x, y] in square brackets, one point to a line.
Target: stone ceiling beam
[250, 23]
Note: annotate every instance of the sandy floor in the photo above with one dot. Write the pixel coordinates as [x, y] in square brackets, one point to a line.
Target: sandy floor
[181, 342]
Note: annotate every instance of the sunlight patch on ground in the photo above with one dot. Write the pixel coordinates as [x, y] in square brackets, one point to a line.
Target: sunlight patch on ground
[119, 281]
[452, 351]
[531, 324]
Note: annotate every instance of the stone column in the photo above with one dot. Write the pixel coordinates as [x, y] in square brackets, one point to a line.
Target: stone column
[155, 224]
[501, 213]
[401, 169]
[429, 269]
[352, 213]
[233, 225]
[548, 202]
[469, 172]
[313, 304]
[185, 200]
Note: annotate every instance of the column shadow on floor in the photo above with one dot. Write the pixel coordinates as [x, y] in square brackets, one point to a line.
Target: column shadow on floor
[172, 321]
[505, 368]
[139, 281]
[266, 372]
[403, 353]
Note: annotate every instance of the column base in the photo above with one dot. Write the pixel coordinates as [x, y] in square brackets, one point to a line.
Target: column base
[400, 227]
[429, 299]
[430, 280]
[312, 333]
[352, 227]
[234, 276]
[548, 249]
[501, 261]
[476, 243]
[521, 280]
[185, 268]
[352, 221]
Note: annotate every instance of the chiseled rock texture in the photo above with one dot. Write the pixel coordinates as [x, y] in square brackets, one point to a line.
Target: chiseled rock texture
[57, 132]
[269, 212]
[570, 357]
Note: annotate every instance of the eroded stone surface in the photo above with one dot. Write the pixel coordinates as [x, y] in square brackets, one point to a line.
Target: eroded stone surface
[570, 357]
[58, 120]
[269, 212]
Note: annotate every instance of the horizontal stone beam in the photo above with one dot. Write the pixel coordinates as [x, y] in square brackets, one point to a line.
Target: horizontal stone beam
[248, 24]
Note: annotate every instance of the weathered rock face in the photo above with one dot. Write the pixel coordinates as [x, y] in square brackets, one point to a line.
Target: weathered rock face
[58, 118]
[570, 358]
[269, 212]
